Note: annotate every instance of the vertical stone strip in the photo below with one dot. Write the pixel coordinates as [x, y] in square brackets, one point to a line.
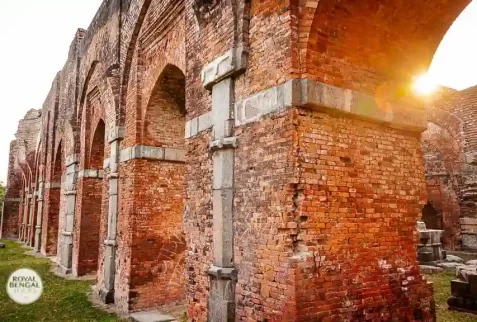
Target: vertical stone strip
[25, 215]
[39, 217]
[106, 291]
[66, 256]
[222, 272]
[30, 219]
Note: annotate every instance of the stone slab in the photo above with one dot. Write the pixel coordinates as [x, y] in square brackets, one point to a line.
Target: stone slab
[454, 259]
[449, 266]
[427, 269]
[150, 316]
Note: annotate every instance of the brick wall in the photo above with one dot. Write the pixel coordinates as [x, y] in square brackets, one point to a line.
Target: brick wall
[10, 211]
[325, 205]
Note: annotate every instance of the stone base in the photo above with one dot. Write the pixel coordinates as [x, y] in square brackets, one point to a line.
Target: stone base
[63, 270]
[106, 296]
[462, 304]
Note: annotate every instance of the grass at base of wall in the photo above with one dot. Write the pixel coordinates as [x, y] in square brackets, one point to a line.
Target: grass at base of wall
[62, 300]
[441, 294]
[66, 300]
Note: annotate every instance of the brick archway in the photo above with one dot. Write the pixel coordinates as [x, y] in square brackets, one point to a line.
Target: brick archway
[362, 45]
[153, 193]
[87, 239]
[50, 225]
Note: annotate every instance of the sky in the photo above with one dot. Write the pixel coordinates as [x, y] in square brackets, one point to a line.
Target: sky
[35, 36]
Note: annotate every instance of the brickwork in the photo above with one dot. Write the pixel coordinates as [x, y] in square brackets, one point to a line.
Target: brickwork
[449, 151]
[259, 160]
[11, 206]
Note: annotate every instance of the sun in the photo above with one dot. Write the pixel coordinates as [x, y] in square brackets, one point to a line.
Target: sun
[424, 85]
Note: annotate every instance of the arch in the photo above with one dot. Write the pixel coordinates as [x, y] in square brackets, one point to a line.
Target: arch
[51, 219]
[96, 151]
[431, 217]
[129, 57]
[86, 243]
[164, 116]
[366, 45]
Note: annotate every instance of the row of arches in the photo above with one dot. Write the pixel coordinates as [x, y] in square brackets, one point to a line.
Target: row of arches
[152, 188]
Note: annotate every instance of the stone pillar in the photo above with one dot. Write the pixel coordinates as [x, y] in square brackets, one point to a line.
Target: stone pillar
[31, 219]
[106, 290]
[68, 224]
[20, 214]
[222, 273]
[26, 207]
[39, 217]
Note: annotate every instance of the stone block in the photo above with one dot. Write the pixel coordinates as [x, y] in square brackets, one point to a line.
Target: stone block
[459, 288]
[150, 316]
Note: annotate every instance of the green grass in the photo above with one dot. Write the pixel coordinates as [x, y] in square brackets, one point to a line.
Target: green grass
[62, 300]
[65, 300]
[441, 294]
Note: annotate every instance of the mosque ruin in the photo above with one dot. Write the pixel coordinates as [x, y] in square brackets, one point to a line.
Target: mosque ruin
[256, 160]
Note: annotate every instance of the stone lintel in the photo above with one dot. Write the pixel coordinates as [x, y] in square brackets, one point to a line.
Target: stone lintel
[152, 153]
[40, 200]
[232, 62]
[319, 96]
[116, 133]
[72, 159]
[70, 192]
[91, 173]
[198, 124]
[223, 273]
[224, 143]
[67, 233]
[13, 199]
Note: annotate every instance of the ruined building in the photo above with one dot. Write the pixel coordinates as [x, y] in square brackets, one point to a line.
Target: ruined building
[450, 159]
[257, 160]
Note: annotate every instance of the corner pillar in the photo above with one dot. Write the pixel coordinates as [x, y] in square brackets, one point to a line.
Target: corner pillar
[31, 219]
[39, 217]
[66, 255]
[106, 291]
[24, 228]
[222, 273]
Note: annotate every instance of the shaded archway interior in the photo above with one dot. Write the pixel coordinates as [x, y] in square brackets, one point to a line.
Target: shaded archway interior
[54, 191]
[157, 258]
[91, 207]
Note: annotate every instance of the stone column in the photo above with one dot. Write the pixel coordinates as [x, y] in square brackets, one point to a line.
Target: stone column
[30, 219]
[68, 225]
[25, 215]
[222, 273]
[39, 217]
[106, 291]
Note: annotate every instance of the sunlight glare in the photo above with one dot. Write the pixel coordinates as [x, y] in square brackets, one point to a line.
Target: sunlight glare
[424, 84]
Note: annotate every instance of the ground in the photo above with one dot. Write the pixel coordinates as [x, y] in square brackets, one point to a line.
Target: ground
[62, 300]
[66, 300]
[441, 293]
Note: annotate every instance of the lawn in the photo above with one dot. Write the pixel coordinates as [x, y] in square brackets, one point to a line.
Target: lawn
[441, 293]
[62, 300]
